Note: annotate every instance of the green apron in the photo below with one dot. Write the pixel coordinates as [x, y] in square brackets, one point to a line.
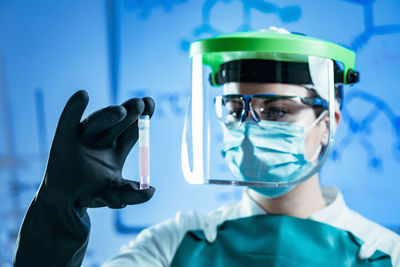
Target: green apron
[274, 240]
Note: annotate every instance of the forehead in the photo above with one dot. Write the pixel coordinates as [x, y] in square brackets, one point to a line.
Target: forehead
[264, 88]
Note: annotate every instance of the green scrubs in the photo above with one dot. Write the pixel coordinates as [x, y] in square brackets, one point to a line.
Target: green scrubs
[275, 240]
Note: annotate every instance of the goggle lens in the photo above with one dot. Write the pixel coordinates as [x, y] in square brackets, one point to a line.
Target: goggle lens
[233, 109]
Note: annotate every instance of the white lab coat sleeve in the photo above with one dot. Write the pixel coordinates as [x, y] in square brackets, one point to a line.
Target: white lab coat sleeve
[156, 245]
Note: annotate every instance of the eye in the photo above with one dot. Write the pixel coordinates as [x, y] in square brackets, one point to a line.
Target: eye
[233, 115]
[233, 106]
[272, 113]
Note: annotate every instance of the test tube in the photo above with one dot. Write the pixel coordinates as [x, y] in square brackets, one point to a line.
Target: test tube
[144, 151]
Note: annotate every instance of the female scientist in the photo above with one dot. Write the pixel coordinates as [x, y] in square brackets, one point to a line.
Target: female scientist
[273, 98]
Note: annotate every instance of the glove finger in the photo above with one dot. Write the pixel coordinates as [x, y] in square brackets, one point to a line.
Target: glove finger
[72, 113]
[102, 120]
[149, 106]
[134, 107]
[125, 192]
[128, 139]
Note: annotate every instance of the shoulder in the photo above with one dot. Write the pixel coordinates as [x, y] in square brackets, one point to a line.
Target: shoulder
[156, 245]
[174, 229]
[374, 236]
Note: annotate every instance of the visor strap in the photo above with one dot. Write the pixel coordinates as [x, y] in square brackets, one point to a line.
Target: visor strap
[263, 71]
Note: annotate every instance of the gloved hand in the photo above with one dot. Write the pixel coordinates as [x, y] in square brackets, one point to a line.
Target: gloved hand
[84, 170]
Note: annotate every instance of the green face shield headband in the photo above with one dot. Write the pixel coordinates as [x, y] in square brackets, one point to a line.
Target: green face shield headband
[287, 68]
[248, 43]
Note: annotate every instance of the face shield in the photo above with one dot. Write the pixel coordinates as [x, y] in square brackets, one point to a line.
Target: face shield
[261, 109]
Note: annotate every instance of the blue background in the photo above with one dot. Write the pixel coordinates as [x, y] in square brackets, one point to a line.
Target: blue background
[121, 49]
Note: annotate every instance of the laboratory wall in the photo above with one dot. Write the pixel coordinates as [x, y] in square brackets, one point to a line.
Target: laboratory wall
[116, 50]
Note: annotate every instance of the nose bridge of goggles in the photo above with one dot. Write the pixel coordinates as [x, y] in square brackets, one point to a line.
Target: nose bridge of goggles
[213, 154]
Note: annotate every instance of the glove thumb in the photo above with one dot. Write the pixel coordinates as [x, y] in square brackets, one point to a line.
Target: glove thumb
[125, 192]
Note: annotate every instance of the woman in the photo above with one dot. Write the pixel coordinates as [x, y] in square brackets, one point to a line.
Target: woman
[274, 97]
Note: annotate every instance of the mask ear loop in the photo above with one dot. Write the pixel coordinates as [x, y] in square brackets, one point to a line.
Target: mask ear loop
[316, 154]
[317, 120]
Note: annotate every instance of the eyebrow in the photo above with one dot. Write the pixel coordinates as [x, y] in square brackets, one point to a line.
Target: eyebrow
[235, 88]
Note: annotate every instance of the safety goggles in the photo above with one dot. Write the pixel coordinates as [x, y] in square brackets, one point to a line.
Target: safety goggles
[232, 109]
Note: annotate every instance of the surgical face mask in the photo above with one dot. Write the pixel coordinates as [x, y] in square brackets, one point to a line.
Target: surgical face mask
[268, 151]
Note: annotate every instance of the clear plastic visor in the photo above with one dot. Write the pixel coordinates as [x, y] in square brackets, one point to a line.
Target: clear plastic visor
[263, 120]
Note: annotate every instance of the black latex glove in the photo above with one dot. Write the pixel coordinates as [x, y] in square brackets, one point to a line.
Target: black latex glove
[83, 170]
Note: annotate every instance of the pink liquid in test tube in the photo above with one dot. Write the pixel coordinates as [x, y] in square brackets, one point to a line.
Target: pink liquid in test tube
[144, 151]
